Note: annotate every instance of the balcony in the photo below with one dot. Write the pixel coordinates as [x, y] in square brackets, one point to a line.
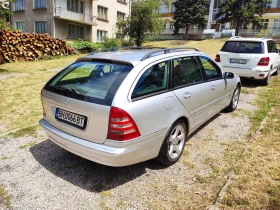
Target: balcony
[63, 13]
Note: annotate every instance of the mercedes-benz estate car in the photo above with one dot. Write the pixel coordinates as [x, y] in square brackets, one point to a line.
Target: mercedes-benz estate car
[254, 58]
[127, 106]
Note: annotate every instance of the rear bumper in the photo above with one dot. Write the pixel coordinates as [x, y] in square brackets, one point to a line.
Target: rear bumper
[248, 73]
[123, 154]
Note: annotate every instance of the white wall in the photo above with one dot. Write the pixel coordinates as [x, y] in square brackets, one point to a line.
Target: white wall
[113, 7]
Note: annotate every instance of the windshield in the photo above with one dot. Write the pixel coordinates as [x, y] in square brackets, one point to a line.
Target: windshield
[95, 82]
[243, 47]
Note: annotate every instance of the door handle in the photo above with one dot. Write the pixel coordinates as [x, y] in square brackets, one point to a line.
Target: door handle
[213, 87]
[187, 95]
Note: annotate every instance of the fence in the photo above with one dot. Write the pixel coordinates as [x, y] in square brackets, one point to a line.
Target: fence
[162, 37]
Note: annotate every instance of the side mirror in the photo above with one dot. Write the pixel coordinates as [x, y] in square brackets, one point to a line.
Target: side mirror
[228, 75]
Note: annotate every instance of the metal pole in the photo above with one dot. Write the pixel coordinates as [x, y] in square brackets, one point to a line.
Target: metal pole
[210, 14]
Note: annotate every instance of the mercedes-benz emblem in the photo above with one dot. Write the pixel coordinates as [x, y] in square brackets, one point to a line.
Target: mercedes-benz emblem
[65, 101]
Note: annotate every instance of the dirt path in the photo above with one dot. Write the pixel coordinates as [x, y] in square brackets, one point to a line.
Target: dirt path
[37, 174]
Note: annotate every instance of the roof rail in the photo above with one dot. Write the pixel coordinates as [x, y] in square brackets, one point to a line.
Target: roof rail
[114, 49]
[235, 37]
[167, 50]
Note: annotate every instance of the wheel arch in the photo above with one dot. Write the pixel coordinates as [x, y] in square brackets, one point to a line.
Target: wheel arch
[185, 120]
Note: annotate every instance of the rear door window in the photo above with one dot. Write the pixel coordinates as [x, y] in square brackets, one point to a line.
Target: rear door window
[211, 70]
[271, 47]
[186, 71]
[95, 82]
[243, 47]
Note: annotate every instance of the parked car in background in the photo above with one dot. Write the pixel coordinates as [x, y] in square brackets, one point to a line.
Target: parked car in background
[254, 58]
[127, 106]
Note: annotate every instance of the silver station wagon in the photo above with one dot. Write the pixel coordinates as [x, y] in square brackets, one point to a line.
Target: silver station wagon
[122, 107]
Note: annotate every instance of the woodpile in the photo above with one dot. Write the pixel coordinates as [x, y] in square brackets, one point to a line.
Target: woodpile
[17, 46]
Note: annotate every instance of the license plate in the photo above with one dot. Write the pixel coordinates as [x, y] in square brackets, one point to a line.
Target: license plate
[239, 61]
[71, 118]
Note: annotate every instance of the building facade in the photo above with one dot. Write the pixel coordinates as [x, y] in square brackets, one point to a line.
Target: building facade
[69, 19]
[270, 19]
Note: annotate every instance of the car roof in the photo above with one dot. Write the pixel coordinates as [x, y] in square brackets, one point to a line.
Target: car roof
[134, 56]
[238, 38]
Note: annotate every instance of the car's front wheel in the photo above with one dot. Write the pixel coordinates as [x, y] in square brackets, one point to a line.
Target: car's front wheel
[235, 99]
[174, 143]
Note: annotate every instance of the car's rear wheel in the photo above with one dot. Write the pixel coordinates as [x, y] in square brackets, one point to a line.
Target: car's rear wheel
[276, 72]
[174, 143]
[235, 99]
[265, 82]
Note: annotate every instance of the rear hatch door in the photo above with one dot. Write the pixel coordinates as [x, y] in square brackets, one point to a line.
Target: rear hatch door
[241, 54]
[78, 99]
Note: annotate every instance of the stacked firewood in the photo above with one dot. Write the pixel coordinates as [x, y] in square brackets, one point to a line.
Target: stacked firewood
[17, 46]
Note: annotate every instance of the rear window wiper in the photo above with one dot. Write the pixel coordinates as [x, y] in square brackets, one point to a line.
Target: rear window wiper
[67, 89]
[234, 51]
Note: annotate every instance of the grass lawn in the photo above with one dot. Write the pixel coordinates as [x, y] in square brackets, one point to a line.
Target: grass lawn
[20, 103]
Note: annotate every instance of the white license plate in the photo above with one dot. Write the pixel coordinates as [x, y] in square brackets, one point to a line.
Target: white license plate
[239, 61]
[71, 118]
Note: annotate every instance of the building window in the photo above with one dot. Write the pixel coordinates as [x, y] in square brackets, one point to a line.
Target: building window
[76, 31]
[122, 1]
[120, 16]
[162, 9]
[102, 13]
[19, 5]
[100, 35]
[173, 8]
[263, 26]
[276, 23]
[20, 25]
[75, 6]
[39, 4]
[41, 27]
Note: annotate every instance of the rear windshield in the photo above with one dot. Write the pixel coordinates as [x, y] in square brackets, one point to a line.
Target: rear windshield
[95, 82]
[243, 47]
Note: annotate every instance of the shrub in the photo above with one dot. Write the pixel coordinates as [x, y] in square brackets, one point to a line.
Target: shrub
[80, 44]
[111, 42]
[127, 43]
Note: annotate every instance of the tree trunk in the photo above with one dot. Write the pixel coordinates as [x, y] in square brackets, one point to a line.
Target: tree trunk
[187, 29]
[237, 29]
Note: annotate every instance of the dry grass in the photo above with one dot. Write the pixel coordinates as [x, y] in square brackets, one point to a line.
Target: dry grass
[4, 199]
[256, 184]
[21, 104]
[42, 65]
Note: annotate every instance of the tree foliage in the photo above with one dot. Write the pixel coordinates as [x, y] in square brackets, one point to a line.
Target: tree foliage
[238, 12]
[144, 20]
[4, 13]
[189, 12]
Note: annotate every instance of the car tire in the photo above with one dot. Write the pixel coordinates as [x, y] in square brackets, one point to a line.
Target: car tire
[173, 145]
[265, 81]
[234, 100]
[276, 72]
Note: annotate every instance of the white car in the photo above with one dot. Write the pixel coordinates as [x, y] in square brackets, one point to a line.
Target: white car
[254, 58]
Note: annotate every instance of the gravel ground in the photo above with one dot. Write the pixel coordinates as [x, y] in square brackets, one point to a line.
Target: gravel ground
[37, 174]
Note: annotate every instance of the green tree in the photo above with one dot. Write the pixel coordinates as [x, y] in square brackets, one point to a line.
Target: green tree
[4, 13]
[238, 12]
[144, 20]
[189, 12]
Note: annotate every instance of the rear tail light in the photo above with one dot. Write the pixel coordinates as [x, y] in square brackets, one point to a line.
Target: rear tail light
[121, 126]
[44, 113]
[264, 61]
[218, 58]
